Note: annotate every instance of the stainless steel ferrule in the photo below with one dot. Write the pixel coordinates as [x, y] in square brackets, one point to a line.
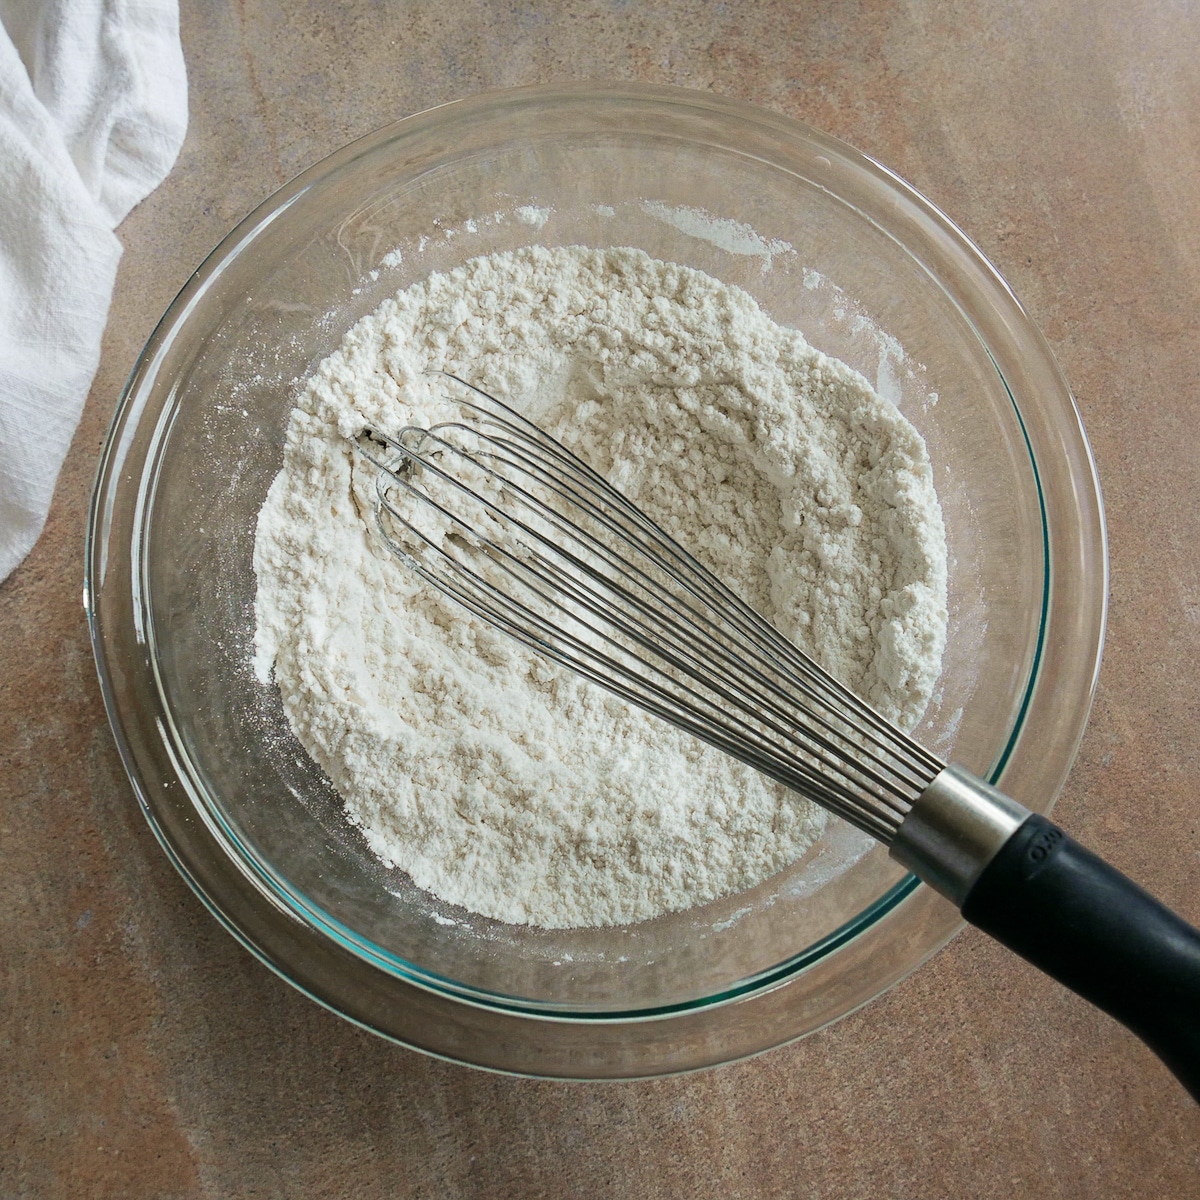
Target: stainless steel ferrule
[953, 831]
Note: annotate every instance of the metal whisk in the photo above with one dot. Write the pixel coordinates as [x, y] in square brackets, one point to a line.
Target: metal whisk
[504, 519]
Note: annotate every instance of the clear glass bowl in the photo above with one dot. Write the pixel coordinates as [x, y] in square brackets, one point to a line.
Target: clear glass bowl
[827, 241]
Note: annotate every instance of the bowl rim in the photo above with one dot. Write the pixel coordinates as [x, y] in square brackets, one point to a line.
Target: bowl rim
[132, 742]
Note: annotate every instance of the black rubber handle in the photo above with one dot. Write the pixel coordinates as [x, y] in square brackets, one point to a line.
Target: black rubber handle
[1082, 922]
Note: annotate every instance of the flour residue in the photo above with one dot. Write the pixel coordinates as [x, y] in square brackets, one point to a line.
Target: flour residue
[734, 237]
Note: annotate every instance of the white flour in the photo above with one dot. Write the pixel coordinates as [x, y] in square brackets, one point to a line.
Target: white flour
[495, 780]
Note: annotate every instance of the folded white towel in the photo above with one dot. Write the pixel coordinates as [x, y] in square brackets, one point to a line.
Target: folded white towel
[93, 109]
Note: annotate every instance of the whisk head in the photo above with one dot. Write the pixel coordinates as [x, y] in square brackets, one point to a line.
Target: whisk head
[500, 516]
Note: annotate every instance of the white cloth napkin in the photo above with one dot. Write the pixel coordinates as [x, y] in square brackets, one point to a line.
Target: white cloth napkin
[93, 109]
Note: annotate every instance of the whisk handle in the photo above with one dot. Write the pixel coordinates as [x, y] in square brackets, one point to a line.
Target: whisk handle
[1081, 921]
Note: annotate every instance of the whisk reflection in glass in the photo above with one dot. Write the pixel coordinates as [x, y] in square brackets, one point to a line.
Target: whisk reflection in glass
[504, 519]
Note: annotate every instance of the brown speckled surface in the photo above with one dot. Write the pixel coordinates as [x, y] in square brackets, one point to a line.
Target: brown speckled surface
[146, 1054]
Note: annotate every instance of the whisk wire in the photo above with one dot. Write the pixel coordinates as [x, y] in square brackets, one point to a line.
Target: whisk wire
[679, 635]
[770, 665]
[697, 579]
[601, 589]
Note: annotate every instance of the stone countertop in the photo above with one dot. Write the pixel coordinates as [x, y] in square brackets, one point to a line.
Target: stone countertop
[146, 1054]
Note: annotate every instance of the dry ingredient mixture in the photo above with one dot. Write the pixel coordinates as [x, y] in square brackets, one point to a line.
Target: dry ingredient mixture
[495, 780]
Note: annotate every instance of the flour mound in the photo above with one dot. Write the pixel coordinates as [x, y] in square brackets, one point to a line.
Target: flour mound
[495, 780]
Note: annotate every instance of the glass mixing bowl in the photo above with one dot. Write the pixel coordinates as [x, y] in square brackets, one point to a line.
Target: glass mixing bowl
[827, 241]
